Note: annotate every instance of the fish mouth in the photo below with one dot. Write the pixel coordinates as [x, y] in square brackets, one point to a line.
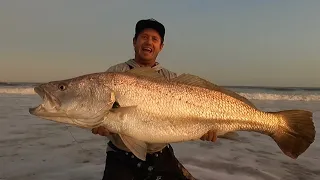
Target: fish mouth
[51, 109]
[49, 106]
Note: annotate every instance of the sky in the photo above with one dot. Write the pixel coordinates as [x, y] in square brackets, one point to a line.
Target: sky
[229, 42]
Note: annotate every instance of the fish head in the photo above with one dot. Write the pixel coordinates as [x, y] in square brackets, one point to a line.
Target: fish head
[81, 101]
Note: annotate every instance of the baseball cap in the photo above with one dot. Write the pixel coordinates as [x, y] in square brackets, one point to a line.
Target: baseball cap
[152, 24]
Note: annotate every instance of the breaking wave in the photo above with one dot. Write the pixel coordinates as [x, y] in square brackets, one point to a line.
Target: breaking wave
[287, 97]
[250, 95]
[17, 90]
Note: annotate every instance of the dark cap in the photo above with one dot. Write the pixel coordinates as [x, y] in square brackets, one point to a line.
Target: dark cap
[152, 24]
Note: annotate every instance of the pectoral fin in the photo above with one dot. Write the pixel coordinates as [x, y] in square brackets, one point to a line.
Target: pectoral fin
[121, 111]
[137, 147]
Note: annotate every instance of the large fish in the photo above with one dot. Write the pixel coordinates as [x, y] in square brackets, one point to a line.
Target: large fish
[155, 110]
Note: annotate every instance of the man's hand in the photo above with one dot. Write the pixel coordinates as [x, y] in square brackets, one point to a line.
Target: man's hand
[210, 136]
[102, 131]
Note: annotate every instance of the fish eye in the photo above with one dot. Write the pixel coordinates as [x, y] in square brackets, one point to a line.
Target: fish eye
[62, 87]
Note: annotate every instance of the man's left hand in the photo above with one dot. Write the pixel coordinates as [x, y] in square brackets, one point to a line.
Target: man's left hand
[210, 136]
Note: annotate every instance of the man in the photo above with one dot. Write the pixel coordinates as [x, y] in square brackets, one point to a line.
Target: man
[161, 163]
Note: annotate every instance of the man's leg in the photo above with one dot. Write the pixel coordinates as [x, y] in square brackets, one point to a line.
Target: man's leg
[122, 165]
[116, 168]
[159, 166]
[167, 167]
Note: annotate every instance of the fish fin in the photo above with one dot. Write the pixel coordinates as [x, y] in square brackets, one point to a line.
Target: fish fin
[299, 133]
[200, 82]
[155, 147]
[146, 71]
[137, 147]
[122, 110]
[229, 135]
[115, 104]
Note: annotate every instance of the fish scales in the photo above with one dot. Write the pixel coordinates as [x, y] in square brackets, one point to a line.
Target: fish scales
[160, 104]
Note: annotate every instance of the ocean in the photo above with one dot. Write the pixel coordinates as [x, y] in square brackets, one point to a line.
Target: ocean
[31, 148]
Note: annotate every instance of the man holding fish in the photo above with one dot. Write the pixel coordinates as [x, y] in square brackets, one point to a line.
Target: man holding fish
[146, 107]
[161, 162]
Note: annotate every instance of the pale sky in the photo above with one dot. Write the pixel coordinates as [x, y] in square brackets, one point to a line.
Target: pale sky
[229, 42]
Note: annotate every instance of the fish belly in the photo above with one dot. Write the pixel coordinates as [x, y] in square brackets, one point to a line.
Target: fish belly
[163, 129]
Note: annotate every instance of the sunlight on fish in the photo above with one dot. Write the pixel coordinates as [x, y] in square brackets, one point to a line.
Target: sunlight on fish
[154, 110]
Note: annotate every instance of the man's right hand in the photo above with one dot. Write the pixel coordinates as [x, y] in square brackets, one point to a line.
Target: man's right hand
[102, 131]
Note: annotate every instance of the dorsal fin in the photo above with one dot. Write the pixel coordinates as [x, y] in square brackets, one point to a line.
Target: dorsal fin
[189, 79]
[197, 81]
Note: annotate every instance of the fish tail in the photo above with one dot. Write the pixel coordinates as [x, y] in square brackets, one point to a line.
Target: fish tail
[299, 133]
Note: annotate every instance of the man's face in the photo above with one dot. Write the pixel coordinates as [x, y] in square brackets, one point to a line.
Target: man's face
[148, 45]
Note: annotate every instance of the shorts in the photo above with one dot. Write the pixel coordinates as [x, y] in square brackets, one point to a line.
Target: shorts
[163, 165]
